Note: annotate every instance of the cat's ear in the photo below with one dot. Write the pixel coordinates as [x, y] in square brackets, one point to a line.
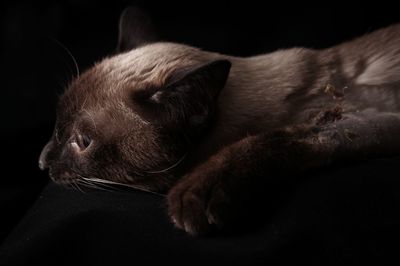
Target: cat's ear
[135, 29]
[190, 97]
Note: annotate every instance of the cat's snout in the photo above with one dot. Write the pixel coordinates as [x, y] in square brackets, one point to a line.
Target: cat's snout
[43, 160]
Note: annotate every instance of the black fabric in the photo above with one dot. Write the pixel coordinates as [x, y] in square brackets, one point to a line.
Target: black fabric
[344, 216]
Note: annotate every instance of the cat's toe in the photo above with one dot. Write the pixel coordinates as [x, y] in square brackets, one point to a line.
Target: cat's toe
[218, 207]
[188, 212]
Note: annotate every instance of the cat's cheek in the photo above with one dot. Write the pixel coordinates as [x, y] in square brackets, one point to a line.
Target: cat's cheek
[75, 163]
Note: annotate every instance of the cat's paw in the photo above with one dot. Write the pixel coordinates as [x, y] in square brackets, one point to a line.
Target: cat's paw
[198, 207]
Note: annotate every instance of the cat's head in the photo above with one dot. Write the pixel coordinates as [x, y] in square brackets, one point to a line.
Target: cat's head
[133, 116]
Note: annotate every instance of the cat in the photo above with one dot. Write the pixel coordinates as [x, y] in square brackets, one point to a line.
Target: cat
[207, 128]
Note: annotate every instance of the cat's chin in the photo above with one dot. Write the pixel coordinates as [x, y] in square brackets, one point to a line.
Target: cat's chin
[65, 178]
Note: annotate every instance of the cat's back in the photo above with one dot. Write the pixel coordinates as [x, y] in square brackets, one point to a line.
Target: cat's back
[372, 59]
[370, 66]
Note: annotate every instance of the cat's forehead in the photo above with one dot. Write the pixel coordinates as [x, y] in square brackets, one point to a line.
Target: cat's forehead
[101, 86]
[149, 64]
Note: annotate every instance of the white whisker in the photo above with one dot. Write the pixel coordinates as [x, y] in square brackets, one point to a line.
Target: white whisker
[76, 185]
[168, 168]
[91, 185]
[70, 54]
[103, 182]
[85, 181]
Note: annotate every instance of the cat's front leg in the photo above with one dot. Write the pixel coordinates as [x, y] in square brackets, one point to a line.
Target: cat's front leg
[210, 195]
[214, 193]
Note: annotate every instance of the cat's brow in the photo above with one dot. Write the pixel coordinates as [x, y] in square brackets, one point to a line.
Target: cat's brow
[92, 119]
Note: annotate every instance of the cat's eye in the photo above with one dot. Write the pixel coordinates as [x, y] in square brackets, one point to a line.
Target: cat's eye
[83, 141]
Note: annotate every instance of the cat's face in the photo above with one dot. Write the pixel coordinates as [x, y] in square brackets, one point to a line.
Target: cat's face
[131, 117]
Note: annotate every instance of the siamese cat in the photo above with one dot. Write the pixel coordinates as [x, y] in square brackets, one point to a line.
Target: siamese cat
[204, 128]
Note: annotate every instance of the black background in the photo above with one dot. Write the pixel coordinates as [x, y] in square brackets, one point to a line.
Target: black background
[35, 68]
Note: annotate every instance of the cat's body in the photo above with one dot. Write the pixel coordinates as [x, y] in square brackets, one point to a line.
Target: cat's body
[288, 86]
[148, 116]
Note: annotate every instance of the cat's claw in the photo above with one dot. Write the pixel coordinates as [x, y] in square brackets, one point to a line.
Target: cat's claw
[187, 214]
[195, 208]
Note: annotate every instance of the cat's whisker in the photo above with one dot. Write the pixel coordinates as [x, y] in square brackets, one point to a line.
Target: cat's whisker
[168, 168]
[87, 184]
[103, 185]
[86, 181]
[93, 186]
[139, 173]
[69, 185]
[108, 182]
[76, 185]
[69, 54]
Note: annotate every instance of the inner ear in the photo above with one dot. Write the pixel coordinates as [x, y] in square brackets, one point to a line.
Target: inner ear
[135, 29]
[189, 98]
[205, 80]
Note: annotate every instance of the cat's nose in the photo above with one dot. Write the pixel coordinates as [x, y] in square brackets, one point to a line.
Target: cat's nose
[43, 163]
